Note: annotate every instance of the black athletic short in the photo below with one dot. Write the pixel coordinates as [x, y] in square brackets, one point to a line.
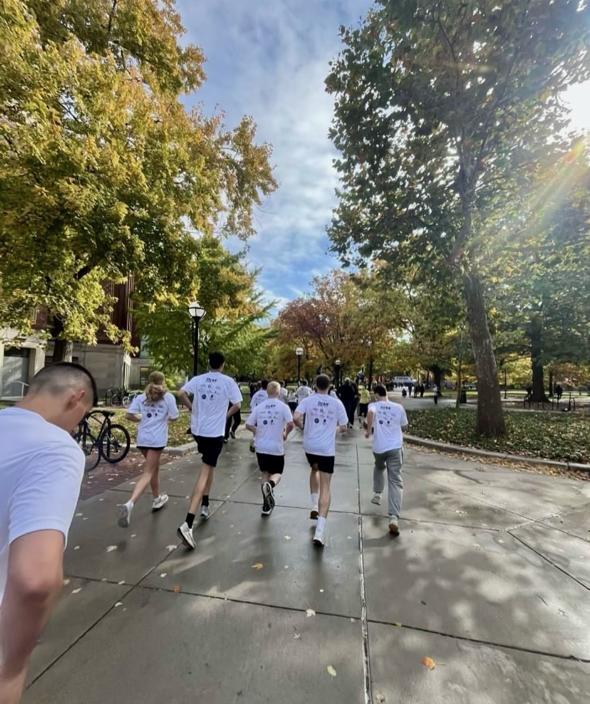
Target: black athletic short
[273, 464]
[143, 447]
[324, 464]
[210, 448]
[363, 409]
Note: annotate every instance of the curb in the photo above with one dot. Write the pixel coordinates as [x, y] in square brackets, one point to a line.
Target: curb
[444, 447]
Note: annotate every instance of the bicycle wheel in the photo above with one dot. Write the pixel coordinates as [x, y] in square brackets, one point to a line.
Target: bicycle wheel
[90, 447]
[115, 444]
[127, 401]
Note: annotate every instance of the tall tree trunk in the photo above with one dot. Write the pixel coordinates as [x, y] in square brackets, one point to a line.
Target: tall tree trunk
[539, 394]
[63, 350]
[490, 419]
[437, 375]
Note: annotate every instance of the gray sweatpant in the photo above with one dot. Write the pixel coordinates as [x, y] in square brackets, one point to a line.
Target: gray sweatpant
[392, 460]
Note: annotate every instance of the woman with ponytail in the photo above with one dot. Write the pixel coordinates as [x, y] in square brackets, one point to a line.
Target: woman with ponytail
[153, 410]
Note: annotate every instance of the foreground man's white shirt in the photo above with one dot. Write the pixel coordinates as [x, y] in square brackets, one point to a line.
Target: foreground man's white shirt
[41, 469]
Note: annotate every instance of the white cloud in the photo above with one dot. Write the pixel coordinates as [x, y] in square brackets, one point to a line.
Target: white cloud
[269, 59]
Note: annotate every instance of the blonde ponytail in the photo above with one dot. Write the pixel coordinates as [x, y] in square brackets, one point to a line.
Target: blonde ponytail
[156, 389]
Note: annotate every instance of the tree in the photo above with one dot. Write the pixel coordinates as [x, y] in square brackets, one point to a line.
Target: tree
[235, 321]
[102, 170]
[443, 109]
[347, 318]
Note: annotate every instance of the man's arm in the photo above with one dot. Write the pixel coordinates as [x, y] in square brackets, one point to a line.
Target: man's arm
[288, 428]
[34, 582]
[370, 421]
[234, 409]
[298, 419]
[185, 400]
[133, 418]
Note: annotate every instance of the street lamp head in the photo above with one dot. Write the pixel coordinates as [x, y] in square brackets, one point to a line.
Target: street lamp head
[196, 311]
[337, 362]
[299, 351]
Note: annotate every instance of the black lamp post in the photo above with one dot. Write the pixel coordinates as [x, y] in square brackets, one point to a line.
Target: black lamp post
[197, 313]
[299, 353]
[337, 367]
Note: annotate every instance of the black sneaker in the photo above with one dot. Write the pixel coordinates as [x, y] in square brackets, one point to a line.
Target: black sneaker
[269, 502]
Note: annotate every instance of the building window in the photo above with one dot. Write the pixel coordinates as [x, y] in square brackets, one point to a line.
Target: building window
[144, 376]
[143, 350]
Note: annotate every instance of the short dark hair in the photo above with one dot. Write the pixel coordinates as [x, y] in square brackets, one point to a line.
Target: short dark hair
[380, 390]
[60, 376]
[304, 382]
[216, 360]
[323, 382]
[264, 383]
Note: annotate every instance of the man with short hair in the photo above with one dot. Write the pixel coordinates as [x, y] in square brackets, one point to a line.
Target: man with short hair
[216, 397]
[387, 419]
[260, 396]
[283, 392]
[324, 416]
[41, 468]
[303, 391]
[270, 422]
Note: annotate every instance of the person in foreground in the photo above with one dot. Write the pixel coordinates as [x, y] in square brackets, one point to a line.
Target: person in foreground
[41, 469]
[387, 420]
[320, 417]
[212, 393]
[153, 410]
[270, 422]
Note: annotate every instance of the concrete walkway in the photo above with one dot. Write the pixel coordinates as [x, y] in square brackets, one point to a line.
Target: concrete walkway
[489, 579]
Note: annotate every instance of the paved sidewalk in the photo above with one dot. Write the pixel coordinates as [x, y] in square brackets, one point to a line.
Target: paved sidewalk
[490, 578]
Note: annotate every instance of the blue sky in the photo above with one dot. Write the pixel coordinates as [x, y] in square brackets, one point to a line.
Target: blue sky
[269, 59]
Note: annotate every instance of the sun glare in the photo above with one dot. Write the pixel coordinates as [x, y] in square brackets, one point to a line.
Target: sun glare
[578, 98]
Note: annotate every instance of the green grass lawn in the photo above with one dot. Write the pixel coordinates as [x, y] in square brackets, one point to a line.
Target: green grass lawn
[553, 436]
[176, 431]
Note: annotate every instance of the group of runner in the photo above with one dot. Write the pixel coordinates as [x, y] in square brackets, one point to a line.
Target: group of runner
[42, 469]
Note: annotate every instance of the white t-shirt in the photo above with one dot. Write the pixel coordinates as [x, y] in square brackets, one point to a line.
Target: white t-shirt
[212, 394]
[303, 392]
[387, 424]
[270, 417]
[260, 396]
[283, 394]
[153, 426]
[41, 468]
[323, 414]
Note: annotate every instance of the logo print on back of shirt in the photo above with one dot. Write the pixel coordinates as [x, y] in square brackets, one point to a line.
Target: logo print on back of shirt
[316, 420]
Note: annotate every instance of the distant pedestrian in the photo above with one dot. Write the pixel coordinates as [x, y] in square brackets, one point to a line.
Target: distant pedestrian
[435, 394]
[387, 420]
[232, 424]
[283, 392]
[404, 392]
[212, 393]
[422, 390]
[320, 417]
[558, 391]
[303, 391]
[41, 469]
[270, 422]
[364, 400]
[154, 409]
[347, 395]
[292, 401]
[260, 396]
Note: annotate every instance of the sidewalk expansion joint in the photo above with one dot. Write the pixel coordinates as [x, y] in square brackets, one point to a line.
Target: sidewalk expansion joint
[477, 641]
[367, 680]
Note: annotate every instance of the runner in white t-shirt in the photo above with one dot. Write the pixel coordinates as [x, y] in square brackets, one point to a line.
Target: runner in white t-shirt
[283, 392]
[271, 422]
[387, 420]
[324, 416]
[213, 392]
[153, 410]
[303, 391]
[41, 468]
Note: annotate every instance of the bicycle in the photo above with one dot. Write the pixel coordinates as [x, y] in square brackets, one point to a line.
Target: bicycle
[99, 439]
[128, 399]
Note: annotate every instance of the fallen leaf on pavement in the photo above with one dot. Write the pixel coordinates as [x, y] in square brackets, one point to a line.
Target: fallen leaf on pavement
[331, 671]
[171, 547]
[399, 625]
[380, 698]
[297, 636]
[66, 582]
[75, 591]
[309, 613]
[429, 663]
[176, 589]
[111, 548]
[257, 566]
[163, 574]
[119, 603]
[77, 547]
[287, 537]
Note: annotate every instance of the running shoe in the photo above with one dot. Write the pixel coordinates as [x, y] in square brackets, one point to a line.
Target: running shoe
[186, 535]
[318, 538]
[205, 512]
[314, 513]
[161, 501]
[124, 515]
[376, 499]
[393, 526]
[232, 434]
[269, 499]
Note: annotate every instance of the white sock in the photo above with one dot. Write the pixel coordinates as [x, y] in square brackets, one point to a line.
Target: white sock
[314, 500]
[130, 504]
[321, 522]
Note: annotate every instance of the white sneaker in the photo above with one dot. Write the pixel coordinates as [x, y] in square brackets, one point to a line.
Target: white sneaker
[205, 512]
[162, 500]
[393, 525]
[186, 535]
[318, 538]
[376, 499]
[124, 515]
